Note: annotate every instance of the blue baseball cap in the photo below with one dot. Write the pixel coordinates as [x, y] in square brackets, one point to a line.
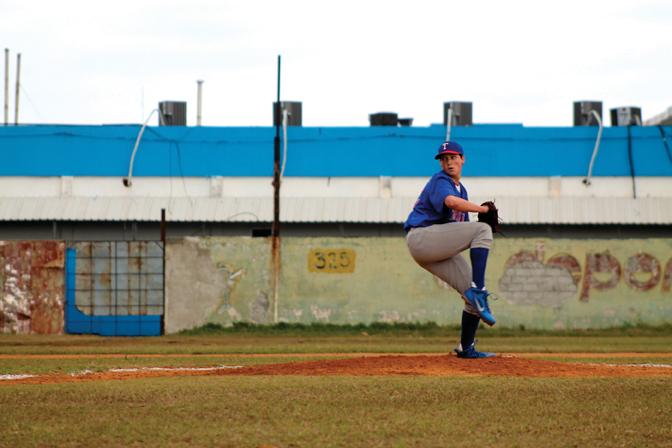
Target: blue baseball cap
[449, 148]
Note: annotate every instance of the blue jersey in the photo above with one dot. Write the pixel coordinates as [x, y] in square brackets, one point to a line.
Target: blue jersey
[430, 208]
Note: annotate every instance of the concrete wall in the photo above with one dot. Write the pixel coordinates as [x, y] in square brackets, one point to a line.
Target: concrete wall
[33, 286]
[542, 283]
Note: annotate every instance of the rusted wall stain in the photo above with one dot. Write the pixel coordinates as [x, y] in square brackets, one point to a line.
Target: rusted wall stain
[33, 286]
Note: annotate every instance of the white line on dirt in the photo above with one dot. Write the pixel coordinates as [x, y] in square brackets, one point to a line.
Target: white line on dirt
[174, 369]
[81, 373]
[15, 377]
[140, 369]
[664, 366]
[10, 377]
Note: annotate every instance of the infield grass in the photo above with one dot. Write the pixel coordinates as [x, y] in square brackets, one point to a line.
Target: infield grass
[331, 342]
[297, 411]
[339, 411]
[211, 349]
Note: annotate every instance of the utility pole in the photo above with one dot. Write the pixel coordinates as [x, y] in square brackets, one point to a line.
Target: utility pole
[275, 230]
[18, 83]
[6, 86]
[199, 102]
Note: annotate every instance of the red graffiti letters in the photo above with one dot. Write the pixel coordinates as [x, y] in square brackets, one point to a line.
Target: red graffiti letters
[568, 262]
[667, 276]
[642, 264]
[602, 271]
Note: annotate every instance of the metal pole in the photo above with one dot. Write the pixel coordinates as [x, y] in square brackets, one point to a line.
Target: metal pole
[449, 123]
[632, 163]
[276, 163]
[163, 280]
[16, 94]
[275, 230]
[6, 86]
[199, 102]
[163, 226]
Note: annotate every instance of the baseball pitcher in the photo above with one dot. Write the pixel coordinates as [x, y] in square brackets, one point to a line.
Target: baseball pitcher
[438, 229]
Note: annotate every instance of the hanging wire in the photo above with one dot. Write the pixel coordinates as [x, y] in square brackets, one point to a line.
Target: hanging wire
[128, 181]
[285, 115]
[596, 148]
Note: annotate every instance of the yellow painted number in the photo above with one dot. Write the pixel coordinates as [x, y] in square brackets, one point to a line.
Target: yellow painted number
[331, 261]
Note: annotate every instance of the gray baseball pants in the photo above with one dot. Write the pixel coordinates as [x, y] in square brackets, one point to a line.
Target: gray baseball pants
[437, 249]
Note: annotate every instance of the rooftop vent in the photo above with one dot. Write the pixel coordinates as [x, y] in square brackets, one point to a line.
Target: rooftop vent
[626, 116]
[461, 113]
[384, 119]
[583, 113]
[294, 114]
[173, 113]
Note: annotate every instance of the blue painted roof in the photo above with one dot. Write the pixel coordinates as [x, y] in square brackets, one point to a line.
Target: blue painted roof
[491, 150]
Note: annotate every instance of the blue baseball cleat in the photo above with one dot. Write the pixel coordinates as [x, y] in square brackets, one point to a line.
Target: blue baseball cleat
[478, 298]
[472, 353]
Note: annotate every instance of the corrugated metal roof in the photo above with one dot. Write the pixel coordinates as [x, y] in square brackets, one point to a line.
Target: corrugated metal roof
[205, 151]
[518, 210]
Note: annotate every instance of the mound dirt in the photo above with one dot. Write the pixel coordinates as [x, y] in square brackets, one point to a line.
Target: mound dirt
[383, 365]
[448, 365]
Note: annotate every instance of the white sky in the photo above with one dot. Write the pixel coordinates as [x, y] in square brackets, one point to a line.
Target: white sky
[94, 62]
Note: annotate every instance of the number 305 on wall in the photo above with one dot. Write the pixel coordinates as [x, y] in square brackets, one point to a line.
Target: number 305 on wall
[331, 261]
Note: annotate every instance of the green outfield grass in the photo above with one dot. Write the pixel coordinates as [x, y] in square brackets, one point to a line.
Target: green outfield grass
[296, 411]
[339, 411]
[380, 338]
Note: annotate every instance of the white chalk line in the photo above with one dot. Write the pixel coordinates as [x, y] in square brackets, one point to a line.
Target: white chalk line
[173, 369]
[19, 376]
[81, 373]
[648, 365]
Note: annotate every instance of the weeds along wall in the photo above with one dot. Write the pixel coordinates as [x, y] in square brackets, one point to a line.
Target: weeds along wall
[542, 283]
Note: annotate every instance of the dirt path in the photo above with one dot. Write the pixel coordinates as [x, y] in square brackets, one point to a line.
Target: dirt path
[518, 365]
[320, 355]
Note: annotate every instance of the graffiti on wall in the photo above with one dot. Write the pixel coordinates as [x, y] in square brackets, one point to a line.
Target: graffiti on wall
[531, 279]
[33, 285]
[543, 283]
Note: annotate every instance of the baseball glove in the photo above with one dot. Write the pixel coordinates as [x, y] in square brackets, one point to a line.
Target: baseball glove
[491, 217]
